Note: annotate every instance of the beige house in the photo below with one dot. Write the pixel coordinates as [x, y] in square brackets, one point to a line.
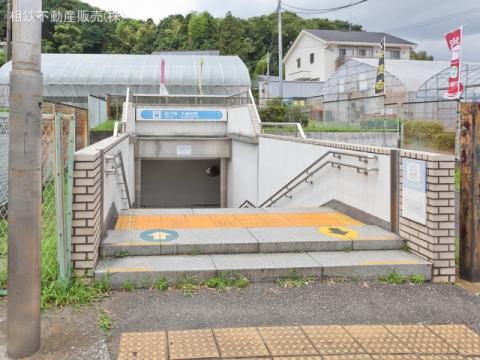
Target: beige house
[316, 54]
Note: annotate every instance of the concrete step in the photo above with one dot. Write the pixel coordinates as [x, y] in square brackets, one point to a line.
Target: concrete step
[263, 267]
[120, 243]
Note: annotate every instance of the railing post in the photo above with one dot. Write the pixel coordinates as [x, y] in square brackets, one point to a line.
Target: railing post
[69, 196]
[394, 190]
[59, 196]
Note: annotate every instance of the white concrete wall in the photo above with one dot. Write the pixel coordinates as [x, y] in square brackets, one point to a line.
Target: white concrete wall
[243, 174]
[239, 121]
[280, 161]
[112, 193]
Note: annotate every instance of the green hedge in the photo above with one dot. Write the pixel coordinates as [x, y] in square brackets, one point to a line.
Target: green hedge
[428, 134]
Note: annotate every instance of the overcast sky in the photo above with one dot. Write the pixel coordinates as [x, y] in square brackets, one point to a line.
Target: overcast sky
[398, 17]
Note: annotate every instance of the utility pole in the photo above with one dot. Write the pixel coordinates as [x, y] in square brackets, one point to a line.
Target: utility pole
[9, 30]
[470, 193]
[25, 183]
[280, 50]
[268, 75]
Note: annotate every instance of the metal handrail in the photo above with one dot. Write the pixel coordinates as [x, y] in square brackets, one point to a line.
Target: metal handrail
[247, 202]
[287, 188]
[124, 179]
[114, 170]
[297, 125]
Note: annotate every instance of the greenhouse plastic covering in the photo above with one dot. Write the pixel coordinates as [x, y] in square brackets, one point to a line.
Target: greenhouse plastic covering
[435, 87]
[80, 75]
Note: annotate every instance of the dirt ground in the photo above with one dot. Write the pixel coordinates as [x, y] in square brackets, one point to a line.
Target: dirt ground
[75, 334]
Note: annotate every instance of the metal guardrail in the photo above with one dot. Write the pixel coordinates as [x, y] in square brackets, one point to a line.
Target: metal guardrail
[306, 175]
[277, 124]
[117, 161]
[191, 100]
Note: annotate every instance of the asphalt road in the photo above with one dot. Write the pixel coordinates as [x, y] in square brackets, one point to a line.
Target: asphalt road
[74, 334]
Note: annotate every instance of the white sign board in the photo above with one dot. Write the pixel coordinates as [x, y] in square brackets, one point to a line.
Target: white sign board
[414, 190]
[184, 150]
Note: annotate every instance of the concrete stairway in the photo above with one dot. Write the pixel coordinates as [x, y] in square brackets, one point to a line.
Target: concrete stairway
[261, 244]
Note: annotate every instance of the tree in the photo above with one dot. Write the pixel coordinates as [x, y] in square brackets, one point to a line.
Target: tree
[420, 55]
[202, 31]
[172, 33]
[232, 40]
[67, 38]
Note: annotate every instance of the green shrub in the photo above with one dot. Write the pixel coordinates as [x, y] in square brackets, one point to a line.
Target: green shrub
[296, 113]
[445, 141]
[105, 126]
[422, 130]
[273, 111]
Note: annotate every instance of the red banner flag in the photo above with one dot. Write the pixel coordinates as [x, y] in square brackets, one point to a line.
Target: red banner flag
[163, 88]
[454, 41]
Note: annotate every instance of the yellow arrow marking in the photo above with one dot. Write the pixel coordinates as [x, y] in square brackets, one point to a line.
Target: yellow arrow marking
[339, 232]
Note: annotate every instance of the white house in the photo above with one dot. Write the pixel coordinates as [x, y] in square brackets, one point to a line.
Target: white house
[317, 54]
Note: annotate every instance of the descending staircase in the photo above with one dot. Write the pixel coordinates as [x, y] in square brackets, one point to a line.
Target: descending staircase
[261, 244]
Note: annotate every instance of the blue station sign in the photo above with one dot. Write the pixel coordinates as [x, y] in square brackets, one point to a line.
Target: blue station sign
[180, 115]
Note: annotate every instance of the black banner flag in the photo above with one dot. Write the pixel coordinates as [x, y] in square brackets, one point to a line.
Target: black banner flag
[380, 83]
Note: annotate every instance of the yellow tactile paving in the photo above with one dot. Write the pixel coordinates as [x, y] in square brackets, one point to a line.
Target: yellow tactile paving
[147, 222]
[240, 343]
[442, 357]
[348, 357]
[376, 339]
[395, 357]
[421, 340]
[143, 346]
[331, 340]
[298, 358]
[194, 344]
[284, 341]
[464, 340]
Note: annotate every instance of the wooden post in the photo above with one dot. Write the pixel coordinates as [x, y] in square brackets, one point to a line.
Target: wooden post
[470, 192]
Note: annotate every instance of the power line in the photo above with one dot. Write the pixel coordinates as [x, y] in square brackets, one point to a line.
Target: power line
[300, 10]
[436, 20]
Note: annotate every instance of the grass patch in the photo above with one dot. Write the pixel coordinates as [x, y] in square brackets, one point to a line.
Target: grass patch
[405, 247]
[105, 321]
[394, 278]
[77, 293]
[105, 126]
[348, 249]
[225, 281]
[293, 280]
[188, 285]
[195, 252]
[161, 284]
[121, 254]
[128, 285]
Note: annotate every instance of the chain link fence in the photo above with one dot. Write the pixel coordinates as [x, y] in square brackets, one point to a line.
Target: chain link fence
[49, 256]
[430, 126]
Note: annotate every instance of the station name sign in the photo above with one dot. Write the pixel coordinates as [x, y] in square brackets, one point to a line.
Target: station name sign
[180, 115]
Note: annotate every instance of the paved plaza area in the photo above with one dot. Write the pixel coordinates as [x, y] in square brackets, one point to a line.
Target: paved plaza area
[331, 342]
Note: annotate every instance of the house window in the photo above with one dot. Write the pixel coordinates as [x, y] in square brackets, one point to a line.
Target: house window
[393, 54]
[365, 52]
[312, 58]
[346, 52]
[299, 63]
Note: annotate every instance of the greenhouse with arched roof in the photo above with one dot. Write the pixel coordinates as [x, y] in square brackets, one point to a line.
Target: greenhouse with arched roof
[73, 77]
[348, 96]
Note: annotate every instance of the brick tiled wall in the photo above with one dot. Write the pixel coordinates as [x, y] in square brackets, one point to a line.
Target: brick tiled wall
[434, 241]
[87, 211]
